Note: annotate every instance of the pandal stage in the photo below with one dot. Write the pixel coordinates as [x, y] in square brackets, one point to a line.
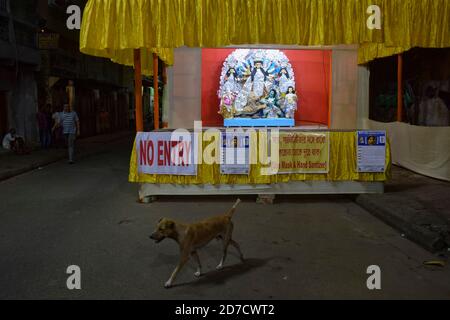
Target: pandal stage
[258, 99]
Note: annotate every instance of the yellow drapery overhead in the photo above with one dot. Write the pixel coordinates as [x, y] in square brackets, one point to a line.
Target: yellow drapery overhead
[112, 28]
[109, 31]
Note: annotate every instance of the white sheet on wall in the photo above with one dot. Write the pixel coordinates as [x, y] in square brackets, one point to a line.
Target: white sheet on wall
[425, 150]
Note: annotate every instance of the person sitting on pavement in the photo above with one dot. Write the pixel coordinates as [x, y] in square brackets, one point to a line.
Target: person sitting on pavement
[14, 142]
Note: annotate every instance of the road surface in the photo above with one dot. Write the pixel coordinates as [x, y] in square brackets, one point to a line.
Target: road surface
[302, 247]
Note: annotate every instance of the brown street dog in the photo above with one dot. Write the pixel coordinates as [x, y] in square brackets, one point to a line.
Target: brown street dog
[191, 237]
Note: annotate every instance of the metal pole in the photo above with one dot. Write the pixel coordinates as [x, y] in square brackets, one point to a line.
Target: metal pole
[164, 107]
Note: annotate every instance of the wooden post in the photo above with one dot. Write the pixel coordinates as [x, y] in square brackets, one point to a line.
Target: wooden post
[164, 77]
[399, 87]
[138, 91]
[155, 92]
[330, 92]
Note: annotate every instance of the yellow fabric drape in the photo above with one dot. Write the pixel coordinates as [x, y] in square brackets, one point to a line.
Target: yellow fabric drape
[342, 167]
[370, 51]
[112, 28]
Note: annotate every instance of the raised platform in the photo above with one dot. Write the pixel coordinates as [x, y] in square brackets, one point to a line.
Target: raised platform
[261, 122]
[292, 187]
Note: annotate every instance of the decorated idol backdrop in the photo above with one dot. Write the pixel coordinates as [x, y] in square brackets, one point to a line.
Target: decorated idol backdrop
[265, 83]
[257, 83]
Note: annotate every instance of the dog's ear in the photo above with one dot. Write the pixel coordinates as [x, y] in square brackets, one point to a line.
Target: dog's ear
[170, 224]
[160, 220]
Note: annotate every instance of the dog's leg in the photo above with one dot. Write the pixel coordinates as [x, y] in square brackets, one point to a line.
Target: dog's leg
[199, 265]
[226, 241]
[238, 248]
[220, 265]
[183, 260]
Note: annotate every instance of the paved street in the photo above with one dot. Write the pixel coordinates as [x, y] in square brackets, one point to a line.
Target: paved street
[299, 248]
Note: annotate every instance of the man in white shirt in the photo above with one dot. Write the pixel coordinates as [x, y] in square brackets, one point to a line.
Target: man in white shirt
[71, 129]
[13, 142]
[8, 139]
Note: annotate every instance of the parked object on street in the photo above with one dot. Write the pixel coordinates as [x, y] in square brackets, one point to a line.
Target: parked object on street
[438, 263]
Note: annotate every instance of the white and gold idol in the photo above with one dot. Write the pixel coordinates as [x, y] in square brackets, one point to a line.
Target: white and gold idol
[257, 84]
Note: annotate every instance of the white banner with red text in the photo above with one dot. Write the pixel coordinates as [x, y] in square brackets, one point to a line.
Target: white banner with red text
[167, 153]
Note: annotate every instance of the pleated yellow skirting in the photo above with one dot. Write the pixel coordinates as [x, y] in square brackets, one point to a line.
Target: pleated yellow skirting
[342, 167]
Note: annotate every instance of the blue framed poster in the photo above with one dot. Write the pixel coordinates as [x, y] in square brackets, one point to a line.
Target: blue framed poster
[371, 151]
[235, 151]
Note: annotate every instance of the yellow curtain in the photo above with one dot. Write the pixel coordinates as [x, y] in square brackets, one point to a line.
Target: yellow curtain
[370, 51]
[342, 167]
[112, 28]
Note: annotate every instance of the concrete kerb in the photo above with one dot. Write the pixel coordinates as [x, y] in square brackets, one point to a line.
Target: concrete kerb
[430, 240]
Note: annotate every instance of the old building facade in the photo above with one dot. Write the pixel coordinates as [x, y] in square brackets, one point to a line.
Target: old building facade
[40, 59]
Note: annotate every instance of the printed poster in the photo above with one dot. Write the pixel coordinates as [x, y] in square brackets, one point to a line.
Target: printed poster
[304, 152]
[371, 151]
[234, 152]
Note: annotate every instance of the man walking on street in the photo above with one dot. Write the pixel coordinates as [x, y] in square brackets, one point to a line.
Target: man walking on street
[71, 129]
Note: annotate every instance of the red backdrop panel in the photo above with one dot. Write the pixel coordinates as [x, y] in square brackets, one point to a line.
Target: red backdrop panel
[312, 79]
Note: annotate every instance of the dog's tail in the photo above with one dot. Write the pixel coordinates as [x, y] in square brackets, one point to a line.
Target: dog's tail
[233, 208]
